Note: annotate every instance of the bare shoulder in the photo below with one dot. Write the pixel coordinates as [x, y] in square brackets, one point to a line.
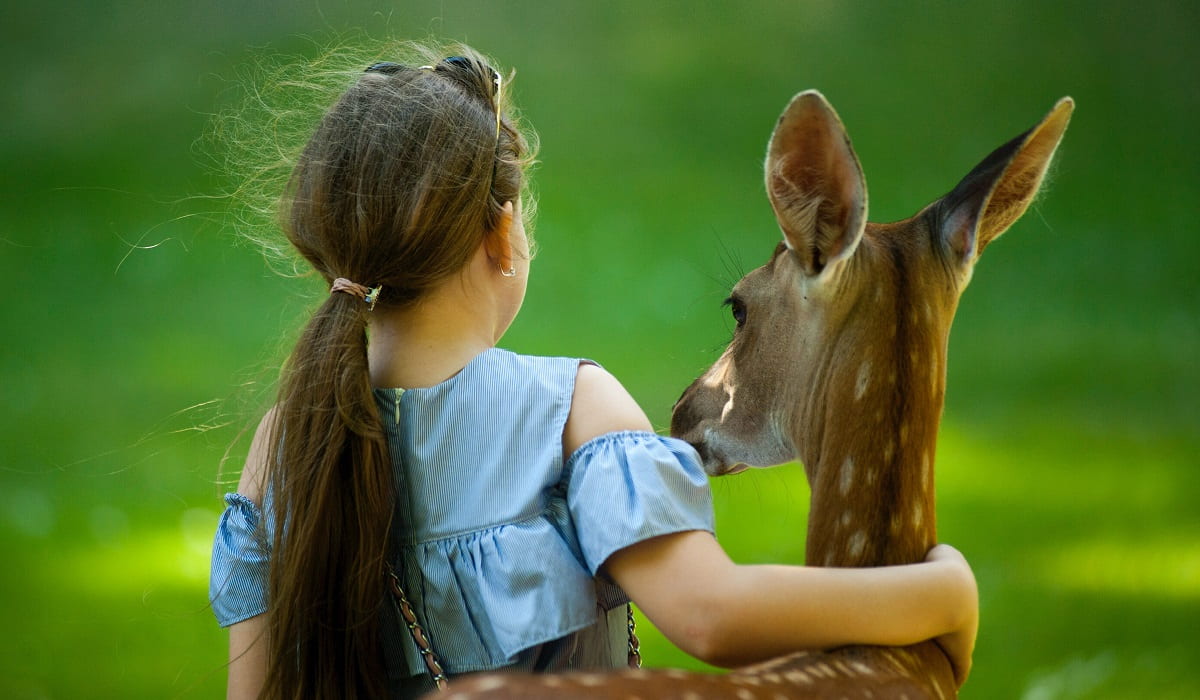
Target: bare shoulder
[254, 474]
[600, 405]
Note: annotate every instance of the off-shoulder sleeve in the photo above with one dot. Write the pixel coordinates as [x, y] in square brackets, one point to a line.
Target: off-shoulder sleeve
[630, 486]
[237, 584]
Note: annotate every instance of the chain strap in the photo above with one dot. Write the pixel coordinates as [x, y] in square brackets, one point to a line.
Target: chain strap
[400, 601]
[635, 646]
[434, 664]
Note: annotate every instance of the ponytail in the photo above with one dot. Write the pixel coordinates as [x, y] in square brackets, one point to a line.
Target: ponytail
[333, 498]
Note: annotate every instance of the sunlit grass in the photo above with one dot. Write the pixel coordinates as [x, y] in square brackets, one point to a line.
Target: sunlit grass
[175, 556]
[1167, 566]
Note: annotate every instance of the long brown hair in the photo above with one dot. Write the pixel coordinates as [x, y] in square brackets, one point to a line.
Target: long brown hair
[397, 187]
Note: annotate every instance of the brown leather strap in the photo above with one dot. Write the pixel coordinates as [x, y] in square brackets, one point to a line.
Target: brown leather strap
[400, 601]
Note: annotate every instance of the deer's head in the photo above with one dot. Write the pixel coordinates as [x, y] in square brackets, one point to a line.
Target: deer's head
[839, 350]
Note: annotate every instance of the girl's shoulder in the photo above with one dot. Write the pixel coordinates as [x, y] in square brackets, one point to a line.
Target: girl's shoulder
[252, 482]
[600, 404]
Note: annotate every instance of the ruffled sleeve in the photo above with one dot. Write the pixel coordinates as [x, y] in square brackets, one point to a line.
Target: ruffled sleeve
[630, 486]
[237, 584]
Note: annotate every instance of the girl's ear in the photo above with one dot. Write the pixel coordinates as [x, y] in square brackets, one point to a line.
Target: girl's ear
[498, 241]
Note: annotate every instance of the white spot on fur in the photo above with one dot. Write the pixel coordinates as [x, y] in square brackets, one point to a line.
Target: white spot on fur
[847, 476]
[730, 391]
[744, 694]
[894, 658]
[918, 516]
[845, 521]
[857, 543]
[772, 678]
[797, 677]
[590, 680]
[676, 674]
[862, 668]
[863, 381]
[926, 471]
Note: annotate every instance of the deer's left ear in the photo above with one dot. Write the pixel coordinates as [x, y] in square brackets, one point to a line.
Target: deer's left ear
[815, 184]
[996, 193]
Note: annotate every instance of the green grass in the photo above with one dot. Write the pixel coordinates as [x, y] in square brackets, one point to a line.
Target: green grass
[141, 337]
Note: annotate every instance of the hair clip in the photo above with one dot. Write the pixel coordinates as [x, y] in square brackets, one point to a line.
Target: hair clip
[372, 297]
[385, 67]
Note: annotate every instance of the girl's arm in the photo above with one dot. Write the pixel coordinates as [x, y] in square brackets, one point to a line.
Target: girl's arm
[247, 658]
[248, 639]
[728, 614]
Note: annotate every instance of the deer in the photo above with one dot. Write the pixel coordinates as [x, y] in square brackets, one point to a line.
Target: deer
[838, 360]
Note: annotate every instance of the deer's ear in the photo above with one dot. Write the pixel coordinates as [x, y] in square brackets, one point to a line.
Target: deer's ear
[815, 183]
[998, 191]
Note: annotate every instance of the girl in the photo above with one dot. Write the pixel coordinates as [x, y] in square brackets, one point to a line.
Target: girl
[505, 506]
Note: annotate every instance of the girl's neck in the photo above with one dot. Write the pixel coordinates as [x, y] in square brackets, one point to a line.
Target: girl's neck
[424, 344]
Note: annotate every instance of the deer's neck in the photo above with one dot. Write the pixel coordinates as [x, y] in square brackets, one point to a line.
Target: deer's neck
[871, 439]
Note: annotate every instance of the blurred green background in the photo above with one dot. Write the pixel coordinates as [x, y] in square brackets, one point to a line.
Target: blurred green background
[141, 336]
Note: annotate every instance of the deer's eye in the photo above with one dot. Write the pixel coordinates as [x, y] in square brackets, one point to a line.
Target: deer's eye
[738, 309]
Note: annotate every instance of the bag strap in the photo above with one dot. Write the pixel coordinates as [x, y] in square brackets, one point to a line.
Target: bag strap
[434, 664]
[400, 602]
[635, 645]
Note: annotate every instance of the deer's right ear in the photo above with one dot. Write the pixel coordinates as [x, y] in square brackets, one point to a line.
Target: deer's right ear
[815, 183]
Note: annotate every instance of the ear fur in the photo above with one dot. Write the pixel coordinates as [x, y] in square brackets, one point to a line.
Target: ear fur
[999, 190]
[815, 183]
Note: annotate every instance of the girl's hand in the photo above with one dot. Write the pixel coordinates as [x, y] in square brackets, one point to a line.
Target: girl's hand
[960, 643]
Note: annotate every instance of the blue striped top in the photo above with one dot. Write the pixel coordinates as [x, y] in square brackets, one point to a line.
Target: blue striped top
[498, 539]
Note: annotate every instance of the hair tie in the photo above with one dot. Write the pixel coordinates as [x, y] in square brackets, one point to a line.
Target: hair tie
[367, 294]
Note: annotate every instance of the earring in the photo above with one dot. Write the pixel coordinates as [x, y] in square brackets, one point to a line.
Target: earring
[510, 272]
